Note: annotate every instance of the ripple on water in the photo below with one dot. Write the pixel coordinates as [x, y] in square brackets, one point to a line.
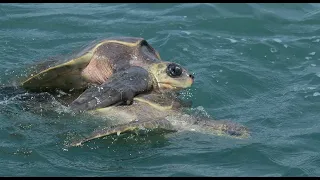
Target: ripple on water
[255, 64]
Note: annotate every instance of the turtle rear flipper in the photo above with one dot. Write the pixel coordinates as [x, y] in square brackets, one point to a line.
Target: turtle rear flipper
[120, 88]
[223, 127]
[132, 127]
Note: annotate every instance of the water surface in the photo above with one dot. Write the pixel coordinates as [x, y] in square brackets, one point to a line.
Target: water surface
[255, 64]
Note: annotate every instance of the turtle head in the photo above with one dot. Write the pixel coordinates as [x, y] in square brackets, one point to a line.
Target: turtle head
[170, 76]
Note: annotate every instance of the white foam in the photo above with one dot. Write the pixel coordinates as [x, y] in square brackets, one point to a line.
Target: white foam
[5, 102]
[317, 40]
[316, 94]
[308, 58]
[312, 53]
[286, 46]
[277, 40]
[232, 40]
[313, 65]
[202, 111]
[187, 32]
[273, 50]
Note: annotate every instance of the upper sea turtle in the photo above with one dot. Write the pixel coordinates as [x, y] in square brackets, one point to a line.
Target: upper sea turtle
[112, 71]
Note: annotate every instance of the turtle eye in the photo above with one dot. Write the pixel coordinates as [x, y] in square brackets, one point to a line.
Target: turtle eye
[174, 70]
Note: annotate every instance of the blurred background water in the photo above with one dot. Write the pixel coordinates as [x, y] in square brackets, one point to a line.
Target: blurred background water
[255, 64]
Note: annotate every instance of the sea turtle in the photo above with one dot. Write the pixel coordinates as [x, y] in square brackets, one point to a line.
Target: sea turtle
[110, 72]
[159, 111]
[129, 70]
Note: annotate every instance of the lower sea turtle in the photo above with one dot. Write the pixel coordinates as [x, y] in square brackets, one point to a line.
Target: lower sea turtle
[112, 71]
[149, 111]
[159, 111]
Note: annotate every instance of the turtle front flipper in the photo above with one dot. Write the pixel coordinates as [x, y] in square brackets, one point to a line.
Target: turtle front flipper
[131, 127]
[120, 88]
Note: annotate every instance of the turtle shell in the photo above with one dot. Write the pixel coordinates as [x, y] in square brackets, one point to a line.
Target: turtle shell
[94, 65]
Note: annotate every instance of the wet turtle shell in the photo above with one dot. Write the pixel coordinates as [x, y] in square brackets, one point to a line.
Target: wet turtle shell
[95, 64]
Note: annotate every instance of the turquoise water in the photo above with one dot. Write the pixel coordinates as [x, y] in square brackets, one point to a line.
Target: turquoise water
[254, 64]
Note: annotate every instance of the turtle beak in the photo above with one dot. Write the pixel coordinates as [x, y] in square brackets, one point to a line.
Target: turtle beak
[191, 78]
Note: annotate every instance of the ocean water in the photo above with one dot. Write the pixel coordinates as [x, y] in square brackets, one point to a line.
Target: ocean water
[254, 64]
